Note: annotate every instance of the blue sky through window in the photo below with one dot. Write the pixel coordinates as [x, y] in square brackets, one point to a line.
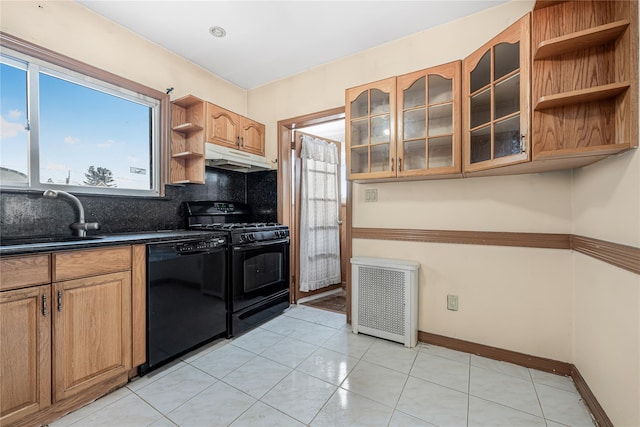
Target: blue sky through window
[79, 127]
[82, 127]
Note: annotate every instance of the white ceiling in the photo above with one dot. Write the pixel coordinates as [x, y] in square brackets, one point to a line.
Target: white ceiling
[270, 40]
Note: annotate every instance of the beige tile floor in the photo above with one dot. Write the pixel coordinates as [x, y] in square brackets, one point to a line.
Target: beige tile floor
[306, 367]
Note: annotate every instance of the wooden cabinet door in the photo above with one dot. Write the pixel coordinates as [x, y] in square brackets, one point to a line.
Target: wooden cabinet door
[429, 117]
[91, 332]
[370, 120]
[497, 100]
[25, 352]
[223, 126]
[252, 137]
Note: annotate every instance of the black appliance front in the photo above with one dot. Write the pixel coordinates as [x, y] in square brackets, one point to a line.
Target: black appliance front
[259, 283]
[186, 297]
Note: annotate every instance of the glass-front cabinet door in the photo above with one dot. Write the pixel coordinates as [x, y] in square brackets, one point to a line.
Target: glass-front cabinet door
[370, 134]
[428, 141]
[496, 100]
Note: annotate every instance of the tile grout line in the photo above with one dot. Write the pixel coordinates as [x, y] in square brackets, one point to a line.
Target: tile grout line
[395, 407]
[469, 393]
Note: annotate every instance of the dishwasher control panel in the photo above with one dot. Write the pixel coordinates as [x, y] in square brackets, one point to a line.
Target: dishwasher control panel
[201, 245]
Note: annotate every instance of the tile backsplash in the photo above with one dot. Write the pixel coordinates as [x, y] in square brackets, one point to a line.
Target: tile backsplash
[27, 213]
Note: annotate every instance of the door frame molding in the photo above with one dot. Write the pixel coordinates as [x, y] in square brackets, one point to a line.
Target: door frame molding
[286, 213]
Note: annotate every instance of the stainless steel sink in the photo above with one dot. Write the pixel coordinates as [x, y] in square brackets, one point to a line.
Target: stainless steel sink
[41, 240]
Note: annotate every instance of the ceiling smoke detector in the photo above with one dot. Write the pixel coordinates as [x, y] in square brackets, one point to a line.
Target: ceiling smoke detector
[216, 31]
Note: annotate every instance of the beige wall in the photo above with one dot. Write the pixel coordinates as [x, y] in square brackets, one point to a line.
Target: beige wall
[505, 299]
[607, 336]
[536, 203]
[73, 30]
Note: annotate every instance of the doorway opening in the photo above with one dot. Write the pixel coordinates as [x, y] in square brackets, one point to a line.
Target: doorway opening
[327, 125]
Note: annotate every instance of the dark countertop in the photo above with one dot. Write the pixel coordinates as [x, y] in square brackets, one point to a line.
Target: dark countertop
[142, 237]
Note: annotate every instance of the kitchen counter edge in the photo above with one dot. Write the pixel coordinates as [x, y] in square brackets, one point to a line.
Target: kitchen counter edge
[103, 240]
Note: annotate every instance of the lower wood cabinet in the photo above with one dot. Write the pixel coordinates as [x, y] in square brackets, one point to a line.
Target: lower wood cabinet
[25, 352]
[68, 342]
[91, 332]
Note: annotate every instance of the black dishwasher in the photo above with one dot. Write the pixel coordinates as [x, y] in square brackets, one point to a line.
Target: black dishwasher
[186, 296]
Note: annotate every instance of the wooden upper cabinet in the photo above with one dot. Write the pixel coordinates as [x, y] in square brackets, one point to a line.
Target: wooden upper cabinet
[585, 79]
[252, 136]
[223, 126]
[429, 119]
[496, 100]
[370, 120]
[25, 352]
[232, 130]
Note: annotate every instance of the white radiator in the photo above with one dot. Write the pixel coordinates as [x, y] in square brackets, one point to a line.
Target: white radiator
[385, 299]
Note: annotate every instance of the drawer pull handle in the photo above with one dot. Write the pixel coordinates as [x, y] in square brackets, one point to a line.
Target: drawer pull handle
[44, 305]
[59, 300]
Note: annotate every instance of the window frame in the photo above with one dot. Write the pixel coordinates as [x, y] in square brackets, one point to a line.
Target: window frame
[38, 58]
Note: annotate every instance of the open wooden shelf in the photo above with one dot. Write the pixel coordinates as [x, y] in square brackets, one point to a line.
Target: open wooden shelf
[584, 80]
[187, 140]
[597, 93]
[187, 155]
[187, 127]
[187, 101]
[591, 37]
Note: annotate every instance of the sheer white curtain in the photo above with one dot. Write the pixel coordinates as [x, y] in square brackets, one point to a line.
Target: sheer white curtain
[319, 215]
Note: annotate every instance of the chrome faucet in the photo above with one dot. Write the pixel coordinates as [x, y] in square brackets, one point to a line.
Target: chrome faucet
[79, 228]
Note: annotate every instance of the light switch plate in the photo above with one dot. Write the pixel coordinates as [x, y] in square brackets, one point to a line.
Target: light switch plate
[371, 195]
[452, 302]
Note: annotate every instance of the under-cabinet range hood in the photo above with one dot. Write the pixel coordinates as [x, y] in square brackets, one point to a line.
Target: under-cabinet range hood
[221, 157]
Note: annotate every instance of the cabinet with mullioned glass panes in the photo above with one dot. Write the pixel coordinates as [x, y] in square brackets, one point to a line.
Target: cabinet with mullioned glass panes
[496, 101]
[370, 119]
[406, 126]
[428, 109]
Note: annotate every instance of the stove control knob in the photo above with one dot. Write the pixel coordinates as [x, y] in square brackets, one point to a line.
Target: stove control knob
[251, 237]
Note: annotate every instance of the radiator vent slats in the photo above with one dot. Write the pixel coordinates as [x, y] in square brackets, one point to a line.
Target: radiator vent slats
[385, 298]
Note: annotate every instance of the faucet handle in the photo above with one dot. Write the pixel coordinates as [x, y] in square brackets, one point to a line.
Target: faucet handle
[92, 226]
[84, 226]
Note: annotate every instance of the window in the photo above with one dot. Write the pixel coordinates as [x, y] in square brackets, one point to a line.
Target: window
[68, 130]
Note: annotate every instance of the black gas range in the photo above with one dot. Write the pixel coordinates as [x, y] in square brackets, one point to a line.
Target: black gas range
[258, 286]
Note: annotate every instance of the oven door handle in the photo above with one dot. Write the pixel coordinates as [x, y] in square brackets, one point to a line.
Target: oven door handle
[259, 244]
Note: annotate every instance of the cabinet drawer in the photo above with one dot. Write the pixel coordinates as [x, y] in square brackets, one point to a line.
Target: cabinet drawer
[24, 270]
[84, 263]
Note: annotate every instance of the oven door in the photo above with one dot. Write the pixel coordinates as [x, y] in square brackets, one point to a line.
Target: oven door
[258, 271]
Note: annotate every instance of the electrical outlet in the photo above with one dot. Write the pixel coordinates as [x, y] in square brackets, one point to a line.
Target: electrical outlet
[371, 195]
[452, 302]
